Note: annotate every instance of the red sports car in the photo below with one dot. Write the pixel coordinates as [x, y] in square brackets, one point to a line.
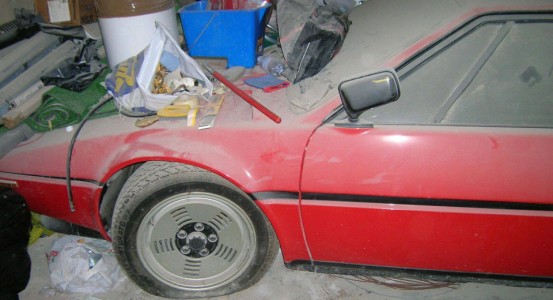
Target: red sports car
[424, 147]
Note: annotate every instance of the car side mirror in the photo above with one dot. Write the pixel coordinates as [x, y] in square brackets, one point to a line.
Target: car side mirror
[368, 91]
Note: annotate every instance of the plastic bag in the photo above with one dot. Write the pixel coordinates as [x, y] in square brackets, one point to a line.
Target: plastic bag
[130, 83]
[310, 36]
[83, 265]
[76, 74]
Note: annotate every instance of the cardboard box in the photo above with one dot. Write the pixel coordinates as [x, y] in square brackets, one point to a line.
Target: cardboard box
[66, 12]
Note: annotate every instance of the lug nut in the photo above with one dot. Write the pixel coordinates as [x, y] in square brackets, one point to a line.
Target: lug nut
[204, 252]
[185, 249]
[182, 234]
[212, 238]
[198, 226]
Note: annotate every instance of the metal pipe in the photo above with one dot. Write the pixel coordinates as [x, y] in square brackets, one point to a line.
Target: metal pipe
[243, 95]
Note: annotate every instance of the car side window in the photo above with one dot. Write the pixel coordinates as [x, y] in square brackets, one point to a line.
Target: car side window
[495, 74]
[515, 86]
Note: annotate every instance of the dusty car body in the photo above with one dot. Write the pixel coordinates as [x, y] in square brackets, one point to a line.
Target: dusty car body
[423, 186]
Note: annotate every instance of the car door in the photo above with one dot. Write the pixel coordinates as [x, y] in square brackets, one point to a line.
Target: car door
[454, 176]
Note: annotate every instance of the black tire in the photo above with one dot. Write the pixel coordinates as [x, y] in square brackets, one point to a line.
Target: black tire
[15, 220]
[183, 232]
[15, 227]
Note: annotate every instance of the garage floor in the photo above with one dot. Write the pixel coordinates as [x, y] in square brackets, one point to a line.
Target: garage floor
[281, 283]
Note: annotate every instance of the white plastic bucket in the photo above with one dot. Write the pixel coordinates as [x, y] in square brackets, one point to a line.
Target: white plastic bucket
[126, 36]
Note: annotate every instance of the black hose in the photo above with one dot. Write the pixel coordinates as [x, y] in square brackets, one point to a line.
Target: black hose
[105, 99]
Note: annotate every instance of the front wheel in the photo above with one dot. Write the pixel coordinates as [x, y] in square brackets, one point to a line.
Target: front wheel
[182, 232]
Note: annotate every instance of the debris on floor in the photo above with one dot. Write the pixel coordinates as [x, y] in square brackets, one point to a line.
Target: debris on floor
[38, 230]
[280, 283]
[83, 265]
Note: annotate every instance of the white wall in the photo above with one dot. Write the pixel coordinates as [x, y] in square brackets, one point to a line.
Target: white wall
[27, 4]
[6, 13]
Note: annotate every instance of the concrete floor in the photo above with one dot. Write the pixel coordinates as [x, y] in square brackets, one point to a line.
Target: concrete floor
[280, 283]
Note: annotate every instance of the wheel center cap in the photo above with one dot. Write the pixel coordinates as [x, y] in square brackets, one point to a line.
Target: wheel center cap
[197, 240]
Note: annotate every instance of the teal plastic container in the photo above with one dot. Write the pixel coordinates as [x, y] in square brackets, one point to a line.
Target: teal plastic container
[234, 34]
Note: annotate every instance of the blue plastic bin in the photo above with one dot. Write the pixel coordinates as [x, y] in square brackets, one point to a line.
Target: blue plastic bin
[234, 34]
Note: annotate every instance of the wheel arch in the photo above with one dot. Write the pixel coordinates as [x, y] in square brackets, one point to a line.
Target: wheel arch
[118, 175]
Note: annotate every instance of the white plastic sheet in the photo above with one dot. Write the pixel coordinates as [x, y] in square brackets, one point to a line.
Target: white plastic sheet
[83, 265]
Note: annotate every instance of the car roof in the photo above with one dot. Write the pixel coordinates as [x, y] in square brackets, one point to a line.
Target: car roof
[383, 33]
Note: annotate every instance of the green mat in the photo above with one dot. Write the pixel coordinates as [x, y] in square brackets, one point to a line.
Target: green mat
[61, 107]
